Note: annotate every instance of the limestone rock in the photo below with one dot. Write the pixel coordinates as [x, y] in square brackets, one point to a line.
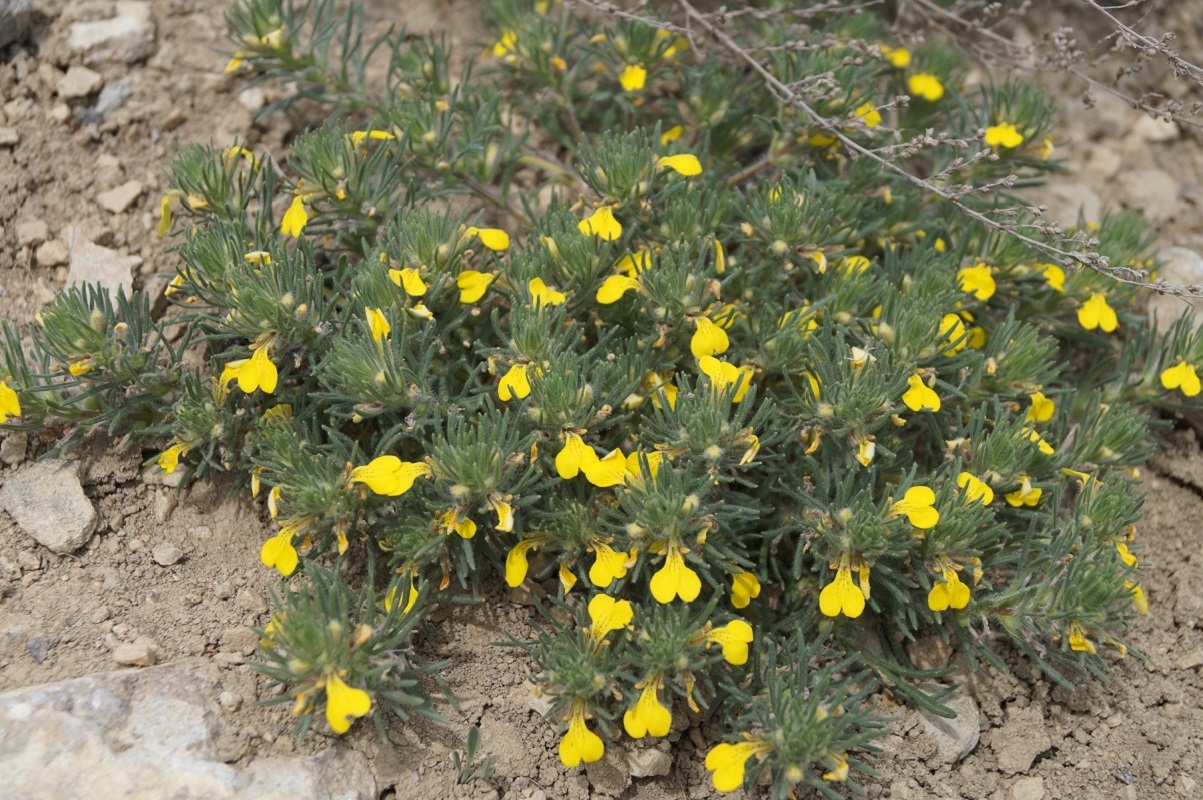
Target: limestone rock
[149, 734]
[1180, 266]
[13, 447]
[1020, 740]
[52, 253]
[142, 652]
[91, 263]
[648, 763]
[31, 232]
[79, 82]
[1028, 789]
[124, 39]
[166, 554]
[48, 502]
[9, 137]
[955, 738]
[119, 198]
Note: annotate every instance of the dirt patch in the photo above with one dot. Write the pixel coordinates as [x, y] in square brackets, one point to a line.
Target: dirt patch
[1136, 735]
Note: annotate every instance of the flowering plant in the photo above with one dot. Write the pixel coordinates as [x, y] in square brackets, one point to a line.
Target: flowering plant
[622, 323]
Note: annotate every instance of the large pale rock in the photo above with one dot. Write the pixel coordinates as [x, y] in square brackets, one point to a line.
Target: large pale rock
[124, 39]
[79, 82]
[91, 263]
[48, 502]
[150, 734]
[955, 738]
[1180, 266]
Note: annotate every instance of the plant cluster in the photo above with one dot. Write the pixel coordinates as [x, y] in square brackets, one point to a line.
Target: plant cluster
[615, 320]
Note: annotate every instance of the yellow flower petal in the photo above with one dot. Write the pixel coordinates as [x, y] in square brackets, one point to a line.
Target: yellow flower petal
[675, 579]
[278, 552]
[601, 223]
[869, 113]
[410, 280]
[683, 164]
[722, 375]
[377, 324]
[256, 372]
[473, 284]
[389, 475]
[728, 762]
[925, 85]
[614, 287]
[1054, 276]
[633, 77]
[648, 715]
[1183, 376]
[574, 456]
[605, 472]
[579, 743]
[734, 638]
[1096, 313]
[608, 565]
[607, 615]
[842, 596]
[744, 587]
[295, 218]
[169, 459]
[1003, 135]
[918, 504]
[1041, 409]
[671, 135]
[975, 488]
[978, 281]
[344, 703]
[516, 561]
[543, 295]
[919, 397]
[515, 383]
[493, 238]
[708, 339]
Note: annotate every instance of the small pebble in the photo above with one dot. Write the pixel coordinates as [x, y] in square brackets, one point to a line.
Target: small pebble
[223, 590]
[166, 555]
[230, 701]
[141, 653]
[9, 137]
[52, 253]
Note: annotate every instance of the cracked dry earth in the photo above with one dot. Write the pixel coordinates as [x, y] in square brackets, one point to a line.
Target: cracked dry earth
[123, 659]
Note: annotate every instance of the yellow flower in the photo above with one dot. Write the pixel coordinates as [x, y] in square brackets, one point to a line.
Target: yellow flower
[607, 615]
[389, 475]
[235, 63]
[635, 471]
[671, 135]
[869, 113]
[579, 743]
[450, 521]
[260, 257]
[493, 238]
[573, 456]
[949, 592]
[377, 324]
[273, 39]
[1004, 134]
[357, 137]
[614, 287]
[410, 280]
[504, 510]
[975, 488]
[515, 383]
[169, 459]
[648, 715]
[978, 281]
[632, 77]
[744, 587]
[473, 284]
[722, 375]
[278, 552]
[733, 638]
[344, 703]
[683, 164]
[842, 596]
[516, 561]
[507, 43]
[544, 295]
[898, 56]
[10, 404]
[256, 372]
[1183, 377]
[708, 339]
[1047, 148]
[1025, 495]
[925, 85]
[165, 214]
[918, 504]
[1139, 601]
[866, 448]
[839, 773]
[919, 397]
[720, 258]
[1078, 640]
[1042, 408]
[609, 564]
[952, 329]
[1054, 276]
[577, 457]
[1041, 445]
[567, 577]
[675, 579]
[1096, 313]
[294, 218]
[601, 223]
[729, 761]
[411, 596]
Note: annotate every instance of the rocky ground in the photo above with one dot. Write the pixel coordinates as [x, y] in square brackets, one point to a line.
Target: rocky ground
[126, 606]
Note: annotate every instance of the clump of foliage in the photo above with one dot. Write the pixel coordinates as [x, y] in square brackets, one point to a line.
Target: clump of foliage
[605, 313]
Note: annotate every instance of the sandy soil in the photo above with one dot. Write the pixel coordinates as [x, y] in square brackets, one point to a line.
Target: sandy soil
[1138, 735]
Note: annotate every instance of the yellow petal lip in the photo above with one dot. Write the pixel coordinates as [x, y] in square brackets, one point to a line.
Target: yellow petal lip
[647, 716]
[493, 238]
[388, 475]
[1004, 135]
[607, 615]
[10, 403]
[734, 638]
[925, 85]
[515, 383]
[633, 77]
[602, 224]
[410, 280]
[278, 552]
[614, 287]
[543, 295]
[295, 218]
[1096, 313]
[709, 339]
[579, 743]
[919, 397]
[473, 285]
[344, 703]
[1184, 377]
[675, 579]
[744, 587]
[685, 164]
